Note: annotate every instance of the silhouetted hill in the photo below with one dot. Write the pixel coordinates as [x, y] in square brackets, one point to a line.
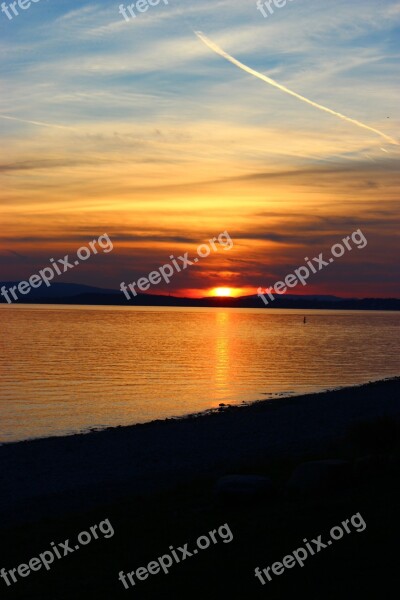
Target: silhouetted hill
[57, 290]
[70, 293]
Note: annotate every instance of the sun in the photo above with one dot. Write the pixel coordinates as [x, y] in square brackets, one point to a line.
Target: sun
[222, 292]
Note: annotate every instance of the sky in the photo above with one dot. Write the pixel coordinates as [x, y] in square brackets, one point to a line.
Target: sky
[140, 130]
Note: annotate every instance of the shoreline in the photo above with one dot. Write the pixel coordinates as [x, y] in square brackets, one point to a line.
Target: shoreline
[50, 476]
[221, 408]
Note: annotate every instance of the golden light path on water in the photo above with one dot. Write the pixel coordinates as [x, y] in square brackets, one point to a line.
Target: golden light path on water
[65, 369]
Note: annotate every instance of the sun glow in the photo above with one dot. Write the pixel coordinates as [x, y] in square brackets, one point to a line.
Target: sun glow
[222, 292]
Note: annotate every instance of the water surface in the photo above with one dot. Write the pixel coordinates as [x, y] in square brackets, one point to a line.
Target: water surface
[66, 369]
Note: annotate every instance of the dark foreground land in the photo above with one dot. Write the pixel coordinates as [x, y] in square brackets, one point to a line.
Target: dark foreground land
[156, 484]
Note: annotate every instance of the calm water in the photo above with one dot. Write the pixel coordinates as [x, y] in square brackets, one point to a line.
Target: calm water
[66, 369]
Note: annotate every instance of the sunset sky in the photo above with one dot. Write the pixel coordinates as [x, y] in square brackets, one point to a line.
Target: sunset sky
[138, 130]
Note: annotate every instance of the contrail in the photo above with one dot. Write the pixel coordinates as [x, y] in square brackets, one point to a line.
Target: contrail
[40, 123]
[283, 88]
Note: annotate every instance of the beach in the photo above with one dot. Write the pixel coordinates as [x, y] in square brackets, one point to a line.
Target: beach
[59, 475]
[157, 486]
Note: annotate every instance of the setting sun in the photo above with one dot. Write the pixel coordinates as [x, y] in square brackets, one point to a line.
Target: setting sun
[222, 291]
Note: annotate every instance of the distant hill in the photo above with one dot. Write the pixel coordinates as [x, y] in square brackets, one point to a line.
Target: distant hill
[71, 293]
[57, 290]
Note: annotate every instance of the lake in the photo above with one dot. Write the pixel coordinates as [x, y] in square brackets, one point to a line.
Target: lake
[67, 369]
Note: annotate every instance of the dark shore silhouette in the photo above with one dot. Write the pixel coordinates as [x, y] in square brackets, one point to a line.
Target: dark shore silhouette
[157, 483]
[65, 293]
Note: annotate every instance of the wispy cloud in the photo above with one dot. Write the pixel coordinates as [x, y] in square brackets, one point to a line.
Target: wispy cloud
[133, 128]
[215, 48]
[38, 123]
